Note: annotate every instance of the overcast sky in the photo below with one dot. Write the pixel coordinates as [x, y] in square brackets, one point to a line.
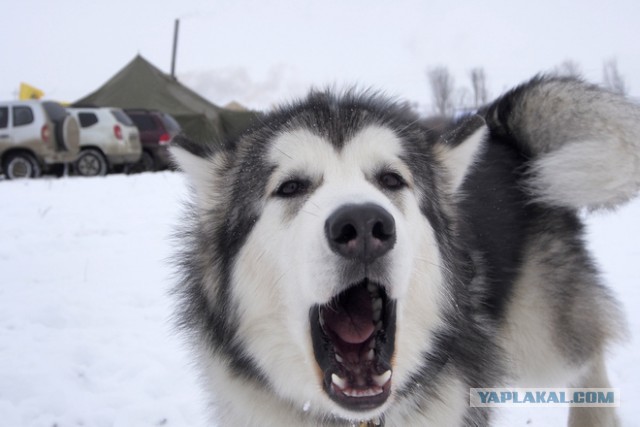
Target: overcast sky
[259, 52]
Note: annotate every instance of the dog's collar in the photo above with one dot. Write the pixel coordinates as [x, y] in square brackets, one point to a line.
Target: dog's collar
[378, 422]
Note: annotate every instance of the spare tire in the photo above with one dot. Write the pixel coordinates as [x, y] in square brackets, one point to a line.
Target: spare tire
[70, 134]
[67, 134]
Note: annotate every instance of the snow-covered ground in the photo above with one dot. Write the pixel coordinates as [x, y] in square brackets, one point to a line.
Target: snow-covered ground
[86, 334]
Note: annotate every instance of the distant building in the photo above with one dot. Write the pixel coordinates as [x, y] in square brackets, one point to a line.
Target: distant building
[236, 106]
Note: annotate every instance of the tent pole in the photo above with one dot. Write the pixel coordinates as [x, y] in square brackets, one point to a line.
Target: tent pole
[175, 48]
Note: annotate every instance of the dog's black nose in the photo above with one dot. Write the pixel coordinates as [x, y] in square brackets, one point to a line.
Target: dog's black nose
[361, 232]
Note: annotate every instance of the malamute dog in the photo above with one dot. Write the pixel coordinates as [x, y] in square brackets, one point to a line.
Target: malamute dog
[342, 264]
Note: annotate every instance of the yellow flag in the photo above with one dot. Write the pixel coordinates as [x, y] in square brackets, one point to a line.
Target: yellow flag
[29, 92]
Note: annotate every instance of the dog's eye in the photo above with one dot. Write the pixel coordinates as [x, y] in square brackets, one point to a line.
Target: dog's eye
[292, 188]
[391, 181]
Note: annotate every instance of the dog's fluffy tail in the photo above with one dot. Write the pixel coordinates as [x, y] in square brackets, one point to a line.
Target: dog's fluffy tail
[583, 141]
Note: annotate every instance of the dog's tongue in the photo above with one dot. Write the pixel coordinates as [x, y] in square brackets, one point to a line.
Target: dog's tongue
[351, 318]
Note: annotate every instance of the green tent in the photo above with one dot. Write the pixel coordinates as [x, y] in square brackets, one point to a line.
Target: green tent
[141, 85]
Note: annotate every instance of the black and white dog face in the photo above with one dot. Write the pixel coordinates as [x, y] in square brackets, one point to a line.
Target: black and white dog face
[342, 263]
[322, 262]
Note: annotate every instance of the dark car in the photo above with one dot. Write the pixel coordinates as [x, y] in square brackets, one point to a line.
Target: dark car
[157, 130]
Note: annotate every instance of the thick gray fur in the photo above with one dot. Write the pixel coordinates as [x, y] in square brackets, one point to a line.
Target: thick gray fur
[578, 134]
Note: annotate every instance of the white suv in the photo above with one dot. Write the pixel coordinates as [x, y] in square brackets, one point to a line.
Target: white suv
[108, 140]
[35, 136]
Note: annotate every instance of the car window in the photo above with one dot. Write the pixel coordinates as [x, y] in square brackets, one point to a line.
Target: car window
[143, 122]
[87, 119]
[4, 117]
[122, 117]
[170, 123]
[22, 115]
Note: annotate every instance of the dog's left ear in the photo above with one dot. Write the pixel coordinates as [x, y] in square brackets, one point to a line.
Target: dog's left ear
[459, 149]
[198, 162]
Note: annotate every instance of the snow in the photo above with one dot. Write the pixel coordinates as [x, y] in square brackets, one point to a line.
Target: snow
[86, 333]
[85, 319]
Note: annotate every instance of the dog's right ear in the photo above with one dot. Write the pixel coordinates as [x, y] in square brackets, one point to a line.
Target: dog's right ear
[198, 162]
[460, 148]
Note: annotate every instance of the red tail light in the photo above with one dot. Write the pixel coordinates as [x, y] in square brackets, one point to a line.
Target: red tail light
[45, 133]
[117, 131]
[165, 138]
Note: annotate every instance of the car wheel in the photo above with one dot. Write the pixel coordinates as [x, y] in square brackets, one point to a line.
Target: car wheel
[21, 165]
[91, 162]
[146, 164]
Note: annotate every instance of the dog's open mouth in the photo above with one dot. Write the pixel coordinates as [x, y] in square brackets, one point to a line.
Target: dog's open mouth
[353, 340]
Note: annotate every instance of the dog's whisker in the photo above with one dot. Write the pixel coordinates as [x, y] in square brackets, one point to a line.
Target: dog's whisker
[435, 264]
[259, 257]
[309, 212]
[283, 153]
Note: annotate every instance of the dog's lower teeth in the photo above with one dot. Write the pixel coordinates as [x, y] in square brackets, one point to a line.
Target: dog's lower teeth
[381, 380]
[370, 355]
[374, 391]
[341, 383]
[339, 358]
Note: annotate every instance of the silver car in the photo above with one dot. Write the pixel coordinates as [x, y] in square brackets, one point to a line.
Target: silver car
[108, 140]
[35, 136]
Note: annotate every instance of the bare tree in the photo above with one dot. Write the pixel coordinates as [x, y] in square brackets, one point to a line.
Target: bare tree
[461, 99]
[569, 68]
[442, 86]
[612, 79]
[479, 86]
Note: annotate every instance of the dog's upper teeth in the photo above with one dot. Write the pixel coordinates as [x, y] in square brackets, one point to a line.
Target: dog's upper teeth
[372, 288]
[371, 354]
[377, 309]
[341, 383]
[382, 379]
[339, 358]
